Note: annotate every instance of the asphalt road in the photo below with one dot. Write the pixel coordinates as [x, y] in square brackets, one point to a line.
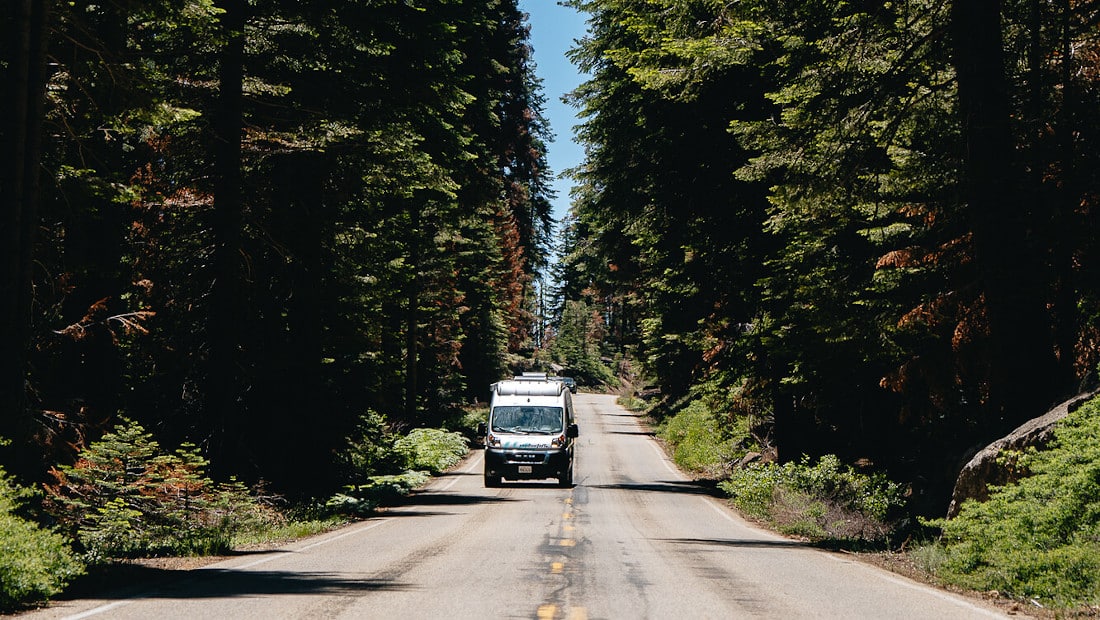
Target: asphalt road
[632, 539]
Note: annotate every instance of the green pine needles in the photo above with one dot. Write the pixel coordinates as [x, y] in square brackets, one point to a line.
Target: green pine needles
[125, 497]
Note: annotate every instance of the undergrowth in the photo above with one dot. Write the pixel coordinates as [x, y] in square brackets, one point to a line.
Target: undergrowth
[126, 497]
[1039, 538]
[35, 563]
[700, 444]
[825, 502]
[381, 466]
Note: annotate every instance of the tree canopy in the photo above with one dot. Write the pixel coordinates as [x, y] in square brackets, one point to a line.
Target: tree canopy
[260, 220]
[870, 225]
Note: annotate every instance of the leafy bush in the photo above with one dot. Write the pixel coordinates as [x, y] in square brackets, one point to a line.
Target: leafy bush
[1039, 538]
[632, 403]
[125, 498]
[369, 451]
[362, 499]
[471, 417]
[381, 468]
[826, 501]
[35, 564]
[698, 443]
[431, 449]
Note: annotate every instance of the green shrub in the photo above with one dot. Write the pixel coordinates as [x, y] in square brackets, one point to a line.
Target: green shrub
[698, 443]
[1039, 538]
[632, 403]
[362, 499]
[124, 498]
[35, 564]
[380, 468]
[431, 449]
[369, 450]
[826, 501]
[471, 417]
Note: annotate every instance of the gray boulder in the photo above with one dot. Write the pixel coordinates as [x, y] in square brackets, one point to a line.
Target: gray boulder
[984, 470]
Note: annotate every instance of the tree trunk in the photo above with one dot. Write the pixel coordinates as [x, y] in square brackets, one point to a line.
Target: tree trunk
[225, 378]
[23, 74]
[1066, 226]
[1021, 360]
[306, 412]
[412, 314]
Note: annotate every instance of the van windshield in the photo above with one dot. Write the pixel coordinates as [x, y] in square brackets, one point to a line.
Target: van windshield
[527, 419]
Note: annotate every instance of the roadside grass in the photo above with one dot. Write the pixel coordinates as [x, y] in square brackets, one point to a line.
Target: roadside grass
[632, 403]
[826, 502]
[289, 531]
[699, 444]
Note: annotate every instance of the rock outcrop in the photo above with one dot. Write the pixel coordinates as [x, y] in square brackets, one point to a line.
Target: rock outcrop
[985, 470]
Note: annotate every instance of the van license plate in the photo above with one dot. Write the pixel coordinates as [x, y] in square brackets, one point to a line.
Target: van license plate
[524, 469]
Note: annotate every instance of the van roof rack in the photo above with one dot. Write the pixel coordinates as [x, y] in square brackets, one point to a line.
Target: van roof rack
[528, 387]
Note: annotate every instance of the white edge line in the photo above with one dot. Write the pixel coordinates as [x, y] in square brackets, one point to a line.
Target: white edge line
[99, 610]
[917, 586]
[469, 468]
[664, 459]
[369, 526]
[116, 604]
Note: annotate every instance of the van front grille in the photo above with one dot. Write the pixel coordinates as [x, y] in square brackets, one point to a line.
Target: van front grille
[526, 457]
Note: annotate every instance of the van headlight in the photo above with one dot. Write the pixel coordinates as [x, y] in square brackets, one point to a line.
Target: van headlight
[492, 441]
[558, 442]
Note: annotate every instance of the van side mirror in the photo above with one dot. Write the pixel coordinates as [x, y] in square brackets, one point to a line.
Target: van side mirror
[573, 431]
[481, 428]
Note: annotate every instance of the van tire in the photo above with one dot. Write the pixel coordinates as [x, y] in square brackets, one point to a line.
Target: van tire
[565, 480]
[492, 482]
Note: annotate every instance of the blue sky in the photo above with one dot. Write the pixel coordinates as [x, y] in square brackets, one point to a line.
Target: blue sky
[554, 28]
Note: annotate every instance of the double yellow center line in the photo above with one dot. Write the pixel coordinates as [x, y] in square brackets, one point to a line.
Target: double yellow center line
[557, 567]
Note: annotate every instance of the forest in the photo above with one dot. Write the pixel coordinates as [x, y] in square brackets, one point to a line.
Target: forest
[865, 229]
[248, 225]
[296, 241]
[862, 229]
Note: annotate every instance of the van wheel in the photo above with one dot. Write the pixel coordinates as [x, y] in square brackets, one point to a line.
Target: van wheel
[565, 481]
[492, 482]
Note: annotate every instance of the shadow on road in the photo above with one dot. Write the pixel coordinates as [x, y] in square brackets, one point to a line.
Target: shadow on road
[641, 433]
[664, 486]
[219, 583]
[632, 416]
[150, 582]
[430, 498]
[739, 543]
[223, 583]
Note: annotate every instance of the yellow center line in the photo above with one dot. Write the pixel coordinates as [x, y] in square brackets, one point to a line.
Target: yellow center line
[568, 542]
[547, 612]
[556, 568]
[578, 613]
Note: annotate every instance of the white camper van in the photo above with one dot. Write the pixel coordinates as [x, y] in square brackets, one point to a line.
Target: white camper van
[530, 432]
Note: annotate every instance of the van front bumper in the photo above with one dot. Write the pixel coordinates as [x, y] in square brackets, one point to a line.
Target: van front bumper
[520, 464]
